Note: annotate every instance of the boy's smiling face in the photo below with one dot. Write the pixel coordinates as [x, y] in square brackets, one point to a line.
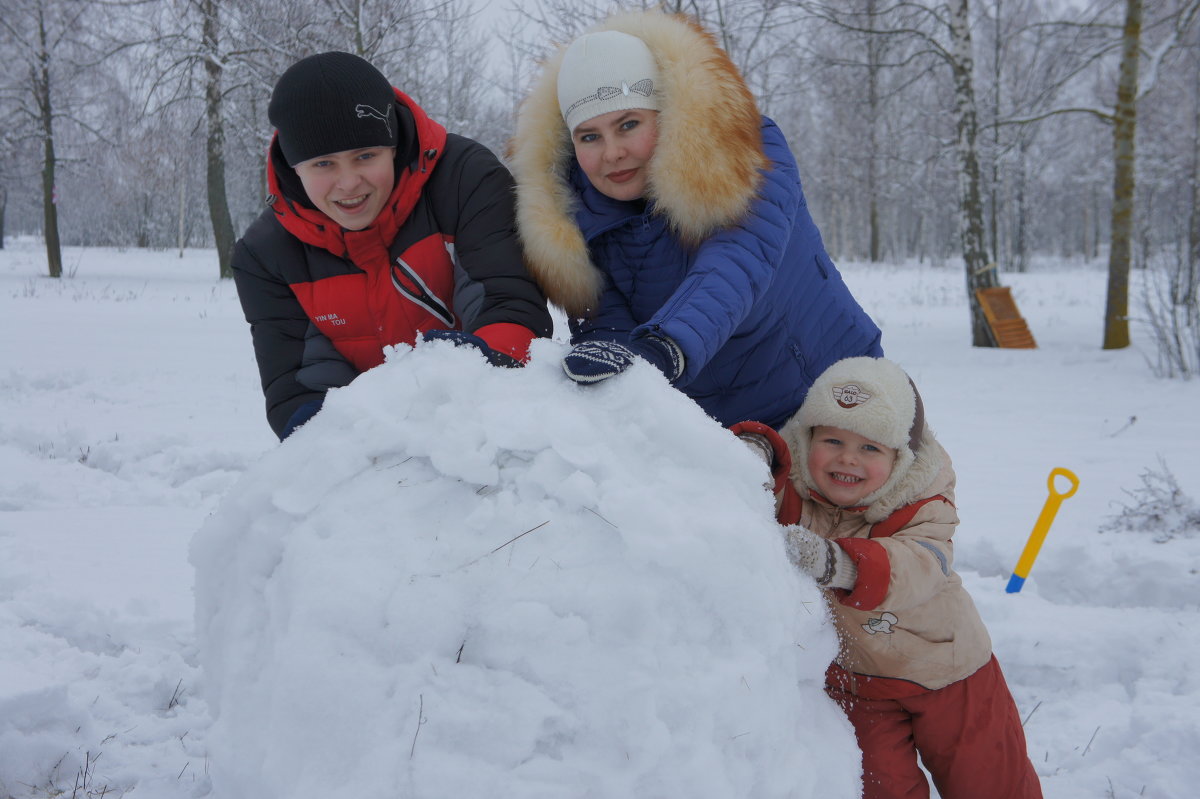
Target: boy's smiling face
[847, 467]
[350, 186]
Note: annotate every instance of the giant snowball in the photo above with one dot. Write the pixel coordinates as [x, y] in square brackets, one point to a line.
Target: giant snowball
[465, 581]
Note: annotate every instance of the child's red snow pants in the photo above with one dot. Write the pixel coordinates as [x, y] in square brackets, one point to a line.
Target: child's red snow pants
[968, 735]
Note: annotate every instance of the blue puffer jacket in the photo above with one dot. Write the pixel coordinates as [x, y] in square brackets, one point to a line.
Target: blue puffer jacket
[758, 309]
[721, 255]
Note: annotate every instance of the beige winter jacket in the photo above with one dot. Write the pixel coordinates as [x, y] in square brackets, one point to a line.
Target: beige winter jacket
[908, 625]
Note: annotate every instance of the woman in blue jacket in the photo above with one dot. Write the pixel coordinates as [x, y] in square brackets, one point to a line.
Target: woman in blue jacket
[665, 216]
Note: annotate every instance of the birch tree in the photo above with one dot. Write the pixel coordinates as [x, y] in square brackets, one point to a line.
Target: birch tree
[980, 273]
[942, 31]
[190, 45]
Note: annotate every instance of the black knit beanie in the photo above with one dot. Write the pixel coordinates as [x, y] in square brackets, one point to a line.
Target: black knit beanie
[331, 102]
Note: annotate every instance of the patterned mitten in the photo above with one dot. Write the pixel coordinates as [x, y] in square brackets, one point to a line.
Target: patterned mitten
[594, 361]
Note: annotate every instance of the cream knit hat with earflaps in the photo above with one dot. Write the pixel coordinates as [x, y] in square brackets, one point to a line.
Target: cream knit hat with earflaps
[872, 397]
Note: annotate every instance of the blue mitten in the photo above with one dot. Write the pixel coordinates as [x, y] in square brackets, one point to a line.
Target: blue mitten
[460, 339]
[301, 415]
[593, 361]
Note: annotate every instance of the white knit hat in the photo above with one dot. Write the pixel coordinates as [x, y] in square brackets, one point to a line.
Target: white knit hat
[606, 71]
[872, 397]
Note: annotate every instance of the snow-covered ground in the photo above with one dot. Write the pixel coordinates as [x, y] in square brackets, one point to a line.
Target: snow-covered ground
[130, 419]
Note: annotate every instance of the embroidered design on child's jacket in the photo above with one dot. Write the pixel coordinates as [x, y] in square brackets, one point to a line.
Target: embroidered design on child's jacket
[881, 625]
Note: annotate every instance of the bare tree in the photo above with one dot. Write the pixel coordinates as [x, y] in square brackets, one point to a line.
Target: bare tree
[874, 66]
[1175, 20]
[48, 42]
[7, 145]
[1169, 169]
[1124, 119]
[196, 51]
[876, 103]
[758, 35]
[942, 31]
[860, 111]
[1028, 57]
[1190, 295]
[1031, 57]
[214, 67]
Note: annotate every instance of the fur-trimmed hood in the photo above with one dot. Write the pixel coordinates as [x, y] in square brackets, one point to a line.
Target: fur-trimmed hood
[704, 173]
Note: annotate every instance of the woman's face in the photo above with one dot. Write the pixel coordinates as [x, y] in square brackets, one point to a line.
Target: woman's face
[614, 150]
[350, 186]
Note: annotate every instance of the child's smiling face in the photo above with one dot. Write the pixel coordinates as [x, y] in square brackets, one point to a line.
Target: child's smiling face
[351, 186]
[847, 467]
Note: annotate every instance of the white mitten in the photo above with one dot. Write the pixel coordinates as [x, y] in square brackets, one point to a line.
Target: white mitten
[828, 563]
[759, 445]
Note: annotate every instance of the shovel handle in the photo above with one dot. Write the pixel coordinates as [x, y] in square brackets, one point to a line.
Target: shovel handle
[1042, 526]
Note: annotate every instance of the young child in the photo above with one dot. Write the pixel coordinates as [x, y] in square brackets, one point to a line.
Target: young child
[665, 215]
[869, 513]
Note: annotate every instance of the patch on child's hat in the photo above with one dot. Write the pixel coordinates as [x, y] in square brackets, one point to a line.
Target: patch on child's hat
[850, 395]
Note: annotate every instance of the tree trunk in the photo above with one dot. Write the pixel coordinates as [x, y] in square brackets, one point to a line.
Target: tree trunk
[1085, 229]
[3, 208]
[994, 189]
[1020, 249]
[182, 217]
[1116, 312]
[49, 191]
[873, 67]
[979, 272]
[218, 200]
[1191, 297]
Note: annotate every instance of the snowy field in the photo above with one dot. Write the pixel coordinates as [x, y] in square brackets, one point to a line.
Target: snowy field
[131, 419]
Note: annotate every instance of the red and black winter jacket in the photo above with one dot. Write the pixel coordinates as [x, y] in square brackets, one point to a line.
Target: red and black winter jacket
[323, 302]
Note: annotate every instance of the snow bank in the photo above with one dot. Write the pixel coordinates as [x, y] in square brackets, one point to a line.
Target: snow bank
[467, 581]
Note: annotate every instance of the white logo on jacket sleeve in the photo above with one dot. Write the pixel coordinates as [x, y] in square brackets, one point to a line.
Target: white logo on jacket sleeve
[881, 625]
